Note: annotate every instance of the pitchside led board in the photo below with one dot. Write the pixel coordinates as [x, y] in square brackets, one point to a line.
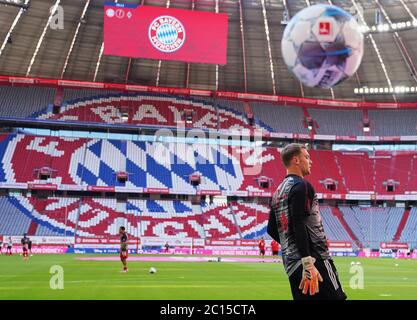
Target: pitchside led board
[165, 34]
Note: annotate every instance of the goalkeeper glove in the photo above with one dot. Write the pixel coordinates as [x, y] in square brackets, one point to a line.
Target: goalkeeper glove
[310, 277]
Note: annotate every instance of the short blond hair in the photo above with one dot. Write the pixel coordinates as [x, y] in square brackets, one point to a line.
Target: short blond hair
[290, 151]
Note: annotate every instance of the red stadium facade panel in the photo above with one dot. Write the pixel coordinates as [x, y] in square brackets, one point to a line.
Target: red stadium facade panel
[279, 100]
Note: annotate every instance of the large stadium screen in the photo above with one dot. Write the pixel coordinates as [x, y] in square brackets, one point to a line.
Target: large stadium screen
[165, 34]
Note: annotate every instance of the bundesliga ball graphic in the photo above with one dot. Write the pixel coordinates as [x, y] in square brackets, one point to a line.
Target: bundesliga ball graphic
[322, 46]
[152, 270]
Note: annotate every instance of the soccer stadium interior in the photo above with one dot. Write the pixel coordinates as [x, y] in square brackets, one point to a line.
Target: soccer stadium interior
[177, 150]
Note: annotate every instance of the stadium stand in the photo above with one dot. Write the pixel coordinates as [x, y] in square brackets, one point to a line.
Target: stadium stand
[409, 233]
[93, 105]
[100, 217]
[25, 102]
[394, 167]
[96, 162]
[341, 122]
[402, 224]
[251, 219]
[230, 104]
[326, 172]
[40, 217]
[334, 230]
[69, 95]
[57, 212]
[412, 178]
[169, 219]
[24, 157]
[372, 225]
[357, 170]
[393, 122]
[154, 110]
[219, 221]
[12, 220]
[280, 118]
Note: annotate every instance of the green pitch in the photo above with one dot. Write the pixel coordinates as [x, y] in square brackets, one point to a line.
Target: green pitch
[189, 280]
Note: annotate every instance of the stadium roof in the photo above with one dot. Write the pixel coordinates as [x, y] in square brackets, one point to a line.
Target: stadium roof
[26, 52]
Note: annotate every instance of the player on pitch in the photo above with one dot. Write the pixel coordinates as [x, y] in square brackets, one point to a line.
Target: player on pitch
[25, 246]
[261, 246]
[295, 222]
[275, 250]
[9, 247]
[123, 248]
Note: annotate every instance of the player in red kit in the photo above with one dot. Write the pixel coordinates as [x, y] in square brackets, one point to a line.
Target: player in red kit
[123, 248]
[261, 246]
[275, 250]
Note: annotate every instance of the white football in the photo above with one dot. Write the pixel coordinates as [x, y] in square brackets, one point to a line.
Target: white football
[322, 46]
[152, 270]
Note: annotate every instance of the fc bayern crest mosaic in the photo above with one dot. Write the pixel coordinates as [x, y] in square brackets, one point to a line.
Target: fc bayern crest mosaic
[166, 33]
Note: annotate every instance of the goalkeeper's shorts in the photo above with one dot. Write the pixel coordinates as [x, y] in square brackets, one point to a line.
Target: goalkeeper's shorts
[329, 289]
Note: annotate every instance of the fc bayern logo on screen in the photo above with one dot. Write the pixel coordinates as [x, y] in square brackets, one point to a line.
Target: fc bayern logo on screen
[167, 34]
[110, 13]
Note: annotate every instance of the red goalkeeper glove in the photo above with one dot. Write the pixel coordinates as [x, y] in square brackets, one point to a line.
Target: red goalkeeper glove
[310, 277]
